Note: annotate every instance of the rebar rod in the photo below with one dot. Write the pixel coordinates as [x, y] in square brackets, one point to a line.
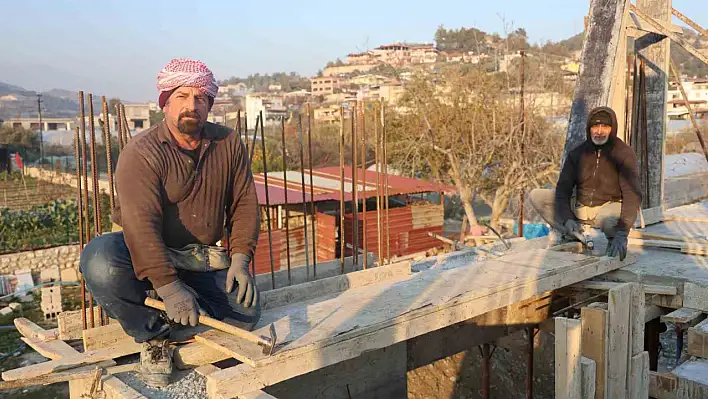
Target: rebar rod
[530, 333]
[109, 155]
[245, 129]
[287, 211]
[384, 144]
[645, 150]
[341, 188]
[355, 189]
[363, 178]
[312, 192]
[255, 137]
[119, 126]
[86, 296]
[80, 205]
[304, 200]
[267, 197]
[96, 198]
[377, 160]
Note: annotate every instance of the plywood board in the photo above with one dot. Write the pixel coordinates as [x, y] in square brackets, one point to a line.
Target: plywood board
[595, 345]
[698, 339]
[314, 335]
[70, 324]
[104, 336]
[196, 354]
[619, 301]
[568, 371]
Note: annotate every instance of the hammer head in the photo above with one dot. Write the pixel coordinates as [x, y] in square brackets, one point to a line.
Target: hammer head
[270, 347]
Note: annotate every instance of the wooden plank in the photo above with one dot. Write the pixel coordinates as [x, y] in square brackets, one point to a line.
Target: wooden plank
[70, 325]
[236, 347]
[689, 22]
[694, 247]
[655, 52]
[31, 330]
[332, 285]
[636, 321]
[665, 237]
[599, 55]
[685, 316]
[54, 349]
[588, 376]
[207, 369]
[651, 216]
[73, 361]
[695, 296]
[608, 285]
[692, 379]
[196, 354]
[594, 345]
[662, 385]
[661, 27]
[62, 376]
[619, 301]
[114, 388]
[638, 380]
[698, 339]
[104, 336]
[567, 364]
[428, 301]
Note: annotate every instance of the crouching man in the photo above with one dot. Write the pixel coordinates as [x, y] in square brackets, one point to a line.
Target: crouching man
[180, 184]
[603, 172]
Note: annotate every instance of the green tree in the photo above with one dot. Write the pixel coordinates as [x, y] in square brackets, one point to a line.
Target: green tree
[21, 140]
[156, 117]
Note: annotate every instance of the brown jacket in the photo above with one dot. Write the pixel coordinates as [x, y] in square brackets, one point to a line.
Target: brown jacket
[164, 200]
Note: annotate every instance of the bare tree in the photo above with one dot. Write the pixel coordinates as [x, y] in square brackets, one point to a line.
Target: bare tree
[463, 127]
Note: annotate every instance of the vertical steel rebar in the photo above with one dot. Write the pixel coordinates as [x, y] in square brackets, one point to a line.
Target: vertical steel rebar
[126, 126]
[355, 190]
[80, 205]
[523, 138]
[119, 127]
[255, 138]
[87, 221]
[627, 132]
[109, 155]
[96, 198]
[341, 188]
[363, 178]
[287, 211]
[530, 332]
[265, 182]
[245, 129]
[304, 200]
[384, 145]
[486, 357]
[377, 161]
[312, 192]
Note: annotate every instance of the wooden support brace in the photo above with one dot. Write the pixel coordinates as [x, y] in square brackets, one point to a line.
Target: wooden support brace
[589, 375]
[595, 345]
[619, 304]
[638, 380]
[608, 285]
[568, 366]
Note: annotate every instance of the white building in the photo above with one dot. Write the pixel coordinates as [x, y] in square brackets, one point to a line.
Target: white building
[697, 93]
[272, 107]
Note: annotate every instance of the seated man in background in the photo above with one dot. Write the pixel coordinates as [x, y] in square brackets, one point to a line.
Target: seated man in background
[603, 171]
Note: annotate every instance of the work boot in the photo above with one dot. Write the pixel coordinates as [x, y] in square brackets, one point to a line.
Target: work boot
[156, 363]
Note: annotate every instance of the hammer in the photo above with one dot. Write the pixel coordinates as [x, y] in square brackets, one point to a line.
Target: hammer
[268, 343]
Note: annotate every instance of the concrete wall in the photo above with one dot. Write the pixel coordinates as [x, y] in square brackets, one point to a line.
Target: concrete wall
[66, 257]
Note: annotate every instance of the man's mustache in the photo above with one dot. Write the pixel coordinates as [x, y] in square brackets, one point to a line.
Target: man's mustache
[188, 114]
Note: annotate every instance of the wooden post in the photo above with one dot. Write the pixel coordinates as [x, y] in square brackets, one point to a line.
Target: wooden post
[568, 369]
[595, 345]
[655, 52]
[619, 303]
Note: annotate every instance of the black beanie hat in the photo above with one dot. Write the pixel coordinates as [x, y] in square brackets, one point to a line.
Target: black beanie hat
[600, 117]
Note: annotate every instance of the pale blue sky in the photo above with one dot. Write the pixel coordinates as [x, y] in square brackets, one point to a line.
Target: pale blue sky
[117, 47]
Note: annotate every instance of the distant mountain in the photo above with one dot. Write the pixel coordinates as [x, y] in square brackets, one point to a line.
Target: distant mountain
[17, 101]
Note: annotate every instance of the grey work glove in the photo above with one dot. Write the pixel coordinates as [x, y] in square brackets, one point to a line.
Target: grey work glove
[238, 271]
[618, 245]
[572, 229]
[180, 303]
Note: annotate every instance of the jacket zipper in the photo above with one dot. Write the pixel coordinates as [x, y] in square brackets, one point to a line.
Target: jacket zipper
[597, 163]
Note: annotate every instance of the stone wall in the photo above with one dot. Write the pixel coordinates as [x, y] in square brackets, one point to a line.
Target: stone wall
[66, 257]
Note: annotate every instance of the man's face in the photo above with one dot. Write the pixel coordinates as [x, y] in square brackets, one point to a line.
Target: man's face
[600, 133]
[187, 109]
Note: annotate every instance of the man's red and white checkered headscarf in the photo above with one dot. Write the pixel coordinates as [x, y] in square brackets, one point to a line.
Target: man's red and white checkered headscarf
[185, 72]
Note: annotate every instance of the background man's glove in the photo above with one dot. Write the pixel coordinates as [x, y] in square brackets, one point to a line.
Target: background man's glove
[572, 228]
[247, 291]
[618, 246]
[180, 303]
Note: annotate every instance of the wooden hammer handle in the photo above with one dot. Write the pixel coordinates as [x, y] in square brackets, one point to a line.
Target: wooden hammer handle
[219, 325]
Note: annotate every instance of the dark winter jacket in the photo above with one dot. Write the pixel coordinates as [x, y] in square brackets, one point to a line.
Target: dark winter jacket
[600, 174]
